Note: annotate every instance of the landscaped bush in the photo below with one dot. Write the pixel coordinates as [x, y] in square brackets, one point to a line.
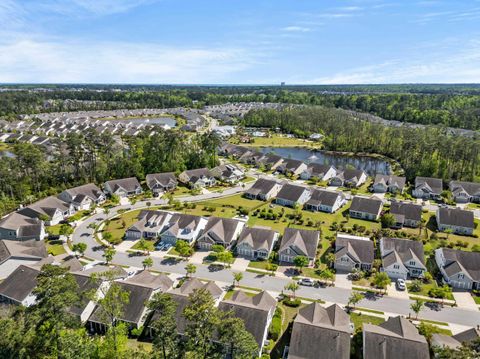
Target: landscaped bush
[294, 303]
[415, 286]
[276, 326]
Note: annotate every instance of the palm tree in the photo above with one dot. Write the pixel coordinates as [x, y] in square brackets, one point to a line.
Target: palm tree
[417, 307]
[355, 298]
[293, 287]
[147, 262]
[191, 269]
[237, 277]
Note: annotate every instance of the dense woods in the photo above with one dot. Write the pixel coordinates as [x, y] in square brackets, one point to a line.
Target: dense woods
[93, 157]
[421, 151]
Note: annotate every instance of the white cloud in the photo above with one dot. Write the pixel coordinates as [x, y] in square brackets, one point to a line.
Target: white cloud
[296, 29]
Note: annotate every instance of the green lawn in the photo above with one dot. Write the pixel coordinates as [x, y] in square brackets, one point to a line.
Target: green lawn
[280, 141]
[53, 230]
[358, 319]
[181, 190]
[425, 287]
[79, 215]
[150, 245]
[55, 248]
[476, 299]
[258, 264]
[248, 179]
[116, 227]
[229, 294]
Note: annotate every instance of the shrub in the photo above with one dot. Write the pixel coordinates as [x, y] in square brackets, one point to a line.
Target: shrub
[294, 303]
[276, 326]
[415, 287]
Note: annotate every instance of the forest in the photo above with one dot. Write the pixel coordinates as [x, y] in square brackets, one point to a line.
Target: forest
[93, 157]
[421, 151]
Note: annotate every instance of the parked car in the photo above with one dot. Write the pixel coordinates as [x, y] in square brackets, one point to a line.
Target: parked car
[400, 284]
[306, 282]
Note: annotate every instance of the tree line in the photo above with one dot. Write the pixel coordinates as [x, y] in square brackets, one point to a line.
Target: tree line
[421, 151]
[93, 157]
[48, 329]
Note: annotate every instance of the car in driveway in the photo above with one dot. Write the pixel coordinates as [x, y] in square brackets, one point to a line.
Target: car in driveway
[400, 284]
[306, 282]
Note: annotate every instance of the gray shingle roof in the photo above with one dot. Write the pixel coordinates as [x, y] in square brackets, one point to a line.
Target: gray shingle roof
[456, 217]
[471, 188]
[31, 249]
[406, 250]
[434, 184]
[291, 192]
[317, 169]
[128, 184]
[390, 180]
[360, 250]
[410, 211]
[262, 186]
[302, 241]
[366, 205]
[456, 261]
[324, 197]
[20, 283]
[257, 238]
[220, 230]
[89, 190]
[46, 206]
[147, 279]
[163, 179]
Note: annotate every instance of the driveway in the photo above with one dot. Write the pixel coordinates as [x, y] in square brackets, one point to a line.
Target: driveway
[465, 300]
[240, 265]
[342, 281]
[197, 257]
[393, 292]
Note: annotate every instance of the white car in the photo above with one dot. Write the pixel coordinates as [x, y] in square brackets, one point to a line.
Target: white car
[401, 284]
[306, 282]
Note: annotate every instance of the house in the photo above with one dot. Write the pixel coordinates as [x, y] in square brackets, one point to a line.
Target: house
[269, 161]
[402, 258]
[198, 178]
[464, 192]
[251, 157]
[263, 189]
[51, 209]
[256, 242]
[17, 288]
[141, 287]
[220, 231]
[150, 224]
[124, 187]
[353, 253]
[14, 254]
[229, 173]
[298, 242]
[388, 183]
[161, 182]
[455, 342]
[19, 227]
[83, 197]
[291, 195]
[320, 330]
[460, 269]
[348, 178]
[406, 214]
[256, 312]
[427, 188]
[291, 167]
[325, 201]
[86, 284]
[457, 220]
[368, 208]
[184, 227]
[318, 171]
[397, 338]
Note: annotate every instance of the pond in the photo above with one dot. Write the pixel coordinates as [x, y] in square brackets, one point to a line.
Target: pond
[370, 165]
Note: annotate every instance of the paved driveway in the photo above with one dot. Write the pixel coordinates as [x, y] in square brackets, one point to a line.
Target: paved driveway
[342, 281]
[464, 300]
[240, 264]
[393, 292]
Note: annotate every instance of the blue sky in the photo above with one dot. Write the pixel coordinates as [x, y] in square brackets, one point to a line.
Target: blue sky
[240, 41]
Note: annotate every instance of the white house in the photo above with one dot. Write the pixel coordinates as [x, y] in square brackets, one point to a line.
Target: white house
[402, 258]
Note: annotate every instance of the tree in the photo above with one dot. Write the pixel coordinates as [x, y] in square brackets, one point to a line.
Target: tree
[355, 298]
[191, 269]
[107, 236]
[381, 280]
[239, 343]
[448, 232]
[143, 246]
[327, 275]
[65, 230]
[108, 254]
[330, 259]
[417, 307]
[147, 263]
[183, 248]
[225, 257]
[79, 248]
[292, 287]
[301, 262]
[387, 220]
[164, 325]
[237, 277]
[271, 267]
[218, 248]
[75, 343]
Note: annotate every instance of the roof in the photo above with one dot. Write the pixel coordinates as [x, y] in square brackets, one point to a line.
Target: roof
[128, 184]
[318, 170]
[324, 197]
[291, 164]
[262, 186]
[403, 249]
[351, 174]
[162, 179]
[366, 205]
[47, 206]
[20, 283]
[468, 335]
[147, 279]
[192, 284]
[445, 341]
[150, 221]
[291, 192]
[409, 210]
[302, 241]
[17, 220]
[31, 249]
[359, 249]
[221, 229]
[395, 338]
[390, 180]
[471, 188]
[85, 284]
[428, 183]
[455, 217]
[89, 190]
[257, 238]
[320, 330]
[197, 173]
[460, 261]
[180, 221]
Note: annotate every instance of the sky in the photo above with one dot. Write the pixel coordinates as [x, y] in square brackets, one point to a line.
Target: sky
[239, 41]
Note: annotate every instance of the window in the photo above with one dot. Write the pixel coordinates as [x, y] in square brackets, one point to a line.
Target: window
[396, 266]
[461, 276]
[412, 263]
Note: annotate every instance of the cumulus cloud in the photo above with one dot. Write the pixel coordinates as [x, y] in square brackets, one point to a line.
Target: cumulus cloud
[296, 29]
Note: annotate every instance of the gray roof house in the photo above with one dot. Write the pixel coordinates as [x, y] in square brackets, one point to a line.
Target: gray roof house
[298, 242]
[396, 338]
[270, 161]
[291, 195]
[263, 189]
[455, 341]
[464, 192]
[161, 182]
[388, 183]
[149, 225]
[325, 200]
[455, 219]
[185, 227]
[460, 269]
[229, 173]
[320, 330]
[222, 231]
[256, 242]
[318, 171]
[291, 166]
[19, 227]
[353, 252]
[427, 188]
[406, 214]
[348, 178]
[197, 178]
[14, 254]
[52, 208]
[123, 187]
[368, 208]
[256, 312]
[402, 258]
[82, 197]
[18, 286]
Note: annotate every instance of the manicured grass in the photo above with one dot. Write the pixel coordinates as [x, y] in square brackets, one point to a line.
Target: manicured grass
[369, 310]
[234, 201]
[55, 249]
[476, 299]
[289, 314]
[257, 271]
[229, 294]
[425, 288]
[473, 205]
[359, 319]
[79, 215]
[53, 230]
[258, 264]
[280, 141]
[434, 322]
[150, 245]
[116, 228]
[249, 288]
[181, 191]
[248, 179]
[200, 210]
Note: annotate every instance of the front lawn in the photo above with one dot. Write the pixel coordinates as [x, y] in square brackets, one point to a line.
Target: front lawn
[425, 288]
[53, 230]
[118, 226]
[258, 264]
[229, 294]
[358, 319]
[55, 248]
[150, 245]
